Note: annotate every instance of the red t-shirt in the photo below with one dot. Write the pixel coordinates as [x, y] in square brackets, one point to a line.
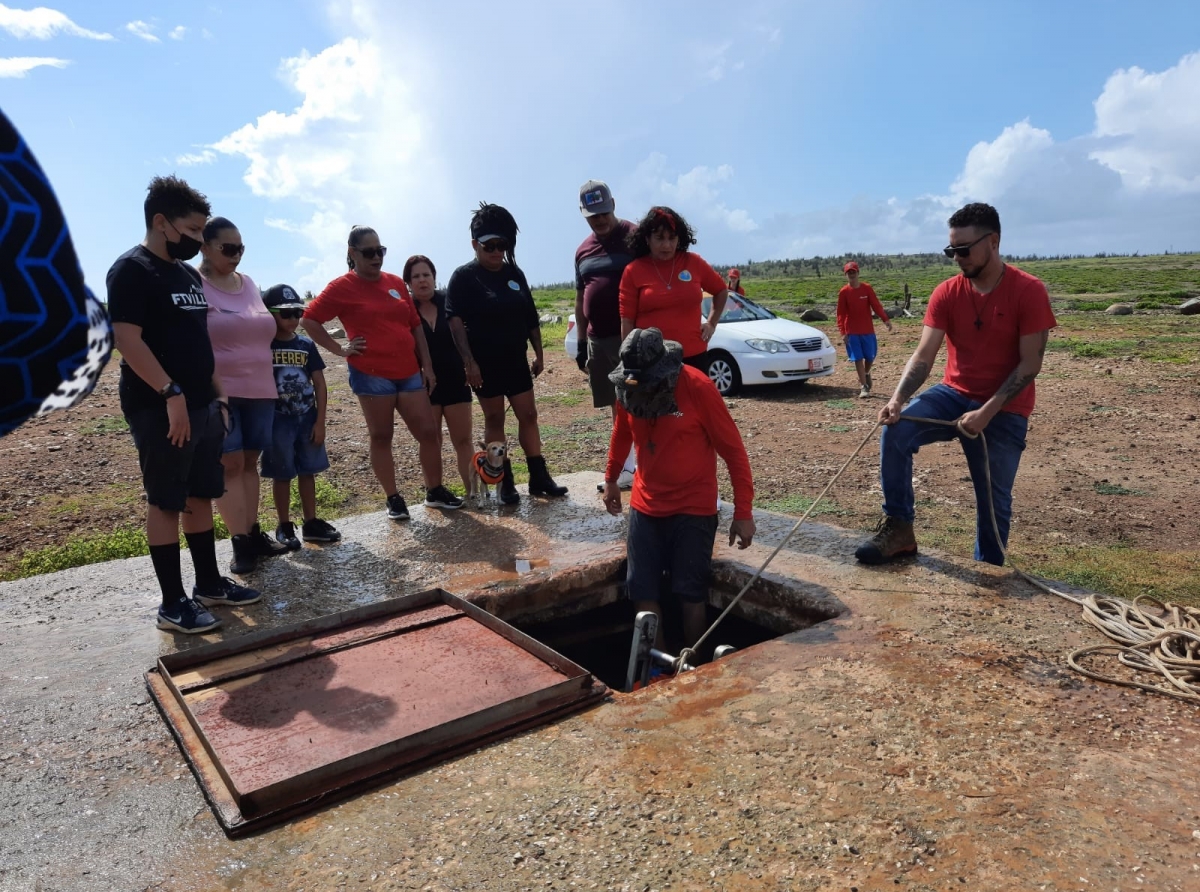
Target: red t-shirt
[380, 311]
[854, 309]
[677, 454]
[666, 295]
[979, 358]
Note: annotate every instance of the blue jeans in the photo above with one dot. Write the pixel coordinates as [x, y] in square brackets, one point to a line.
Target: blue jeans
[1005, 442]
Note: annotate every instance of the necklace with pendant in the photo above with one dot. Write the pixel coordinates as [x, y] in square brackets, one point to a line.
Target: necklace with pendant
[979, 309]
[671, 278]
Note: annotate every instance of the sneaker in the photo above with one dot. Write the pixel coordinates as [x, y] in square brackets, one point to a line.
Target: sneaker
[440, 497]
[264, 545]
[893, 539]
[396, 509]
[286, 533]
[228, 593]
[187, 617]
[317, 530]
[864, 393]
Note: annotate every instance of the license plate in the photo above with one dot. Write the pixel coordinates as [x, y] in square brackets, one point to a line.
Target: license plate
[815, 365]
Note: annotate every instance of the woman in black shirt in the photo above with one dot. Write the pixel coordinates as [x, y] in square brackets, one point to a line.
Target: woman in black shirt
[451, 398]
[493, 319]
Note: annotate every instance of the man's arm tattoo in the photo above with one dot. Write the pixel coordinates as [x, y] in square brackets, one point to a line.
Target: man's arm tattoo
[915, 374]
[1015, 383]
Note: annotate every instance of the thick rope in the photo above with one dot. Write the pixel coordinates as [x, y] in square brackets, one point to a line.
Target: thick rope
[1166, 642]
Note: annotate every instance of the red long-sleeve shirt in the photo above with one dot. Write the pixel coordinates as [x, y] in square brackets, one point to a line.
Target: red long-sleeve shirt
[854, 308]
[677, 454]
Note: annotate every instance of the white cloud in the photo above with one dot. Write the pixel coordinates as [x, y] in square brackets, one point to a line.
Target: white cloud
[694, 194]
[352, 151]
[20, 66]
[177, 32]
[42, 23]
[1149, 126]
[194, 159]
[144, 30]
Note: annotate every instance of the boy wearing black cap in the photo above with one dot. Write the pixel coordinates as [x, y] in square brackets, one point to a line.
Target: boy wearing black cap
[298, 448]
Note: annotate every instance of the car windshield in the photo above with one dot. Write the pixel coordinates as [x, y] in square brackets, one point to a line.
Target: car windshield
[738, 308]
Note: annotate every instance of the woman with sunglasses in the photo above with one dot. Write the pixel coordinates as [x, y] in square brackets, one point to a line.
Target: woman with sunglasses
[390, 367]
[494, 320]
[451, 399]
[665, 285]
[241, 330]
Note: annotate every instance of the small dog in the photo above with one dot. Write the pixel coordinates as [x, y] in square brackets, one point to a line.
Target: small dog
[488, 463]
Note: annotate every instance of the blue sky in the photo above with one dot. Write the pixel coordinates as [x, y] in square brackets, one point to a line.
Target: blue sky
[779, 129]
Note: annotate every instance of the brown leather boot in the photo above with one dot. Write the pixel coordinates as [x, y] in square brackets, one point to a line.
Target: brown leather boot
[893, 540]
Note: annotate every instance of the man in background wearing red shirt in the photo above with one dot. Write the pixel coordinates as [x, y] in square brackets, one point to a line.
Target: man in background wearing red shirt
[856, 303]
[995, 320]
[679, 423]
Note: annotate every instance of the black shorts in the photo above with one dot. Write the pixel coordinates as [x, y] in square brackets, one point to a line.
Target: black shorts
[450, 395]
[604, 355]
[504, 375]
[699, 361]
[171, 474]
[679, 544]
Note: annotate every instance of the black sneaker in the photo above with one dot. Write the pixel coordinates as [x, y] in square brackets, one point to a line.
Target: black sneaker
[396, 508]
[317, 530]
[440, 497]
[264, 545]
[187, 617]
[227, 593]
[245, 555]
[286, 534]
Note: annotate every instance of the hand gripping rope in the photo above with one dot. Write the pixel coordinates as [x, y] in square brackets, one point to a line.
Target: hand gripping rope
[1165, 640]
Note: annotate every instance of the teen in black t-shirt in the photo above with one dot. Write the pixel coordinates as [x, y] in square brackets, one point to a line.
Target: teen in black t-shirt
[173, 401]
[493, 318]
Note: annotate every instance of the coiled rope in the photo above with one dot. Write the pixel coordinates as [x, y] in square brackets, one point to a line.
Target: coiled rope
[1165, 640]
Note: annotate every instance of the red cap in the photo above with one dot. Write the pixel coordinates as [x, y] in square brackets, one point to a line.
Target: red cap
[733, 274]
[850, 266]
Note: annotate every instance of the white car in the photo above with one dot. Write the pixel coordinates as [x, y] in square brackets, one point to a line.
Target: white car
[754, 346]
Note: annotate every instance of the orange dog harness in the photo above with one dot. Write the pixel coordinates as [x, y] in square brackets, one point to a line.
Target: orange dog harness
[486, 474]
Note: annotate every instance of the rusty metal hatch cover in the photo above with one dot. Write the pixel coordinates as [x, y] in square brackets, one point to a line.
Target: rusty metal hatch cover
[276, 722]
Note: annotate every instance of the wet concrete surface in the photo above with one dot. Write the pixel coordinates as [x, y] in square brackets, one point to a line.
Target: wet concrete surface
[929, 737]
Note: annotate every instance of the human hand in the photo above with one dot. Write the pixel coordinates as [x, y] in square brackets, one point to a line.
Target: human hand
[612, 498]
[536, 366]
[581, 356]
[972, 423]
[430, 380]
[474, 377]
[179, 426]
[355, 346]
[890, 413]
[707, 330]
[318, 433]
[223, 408]
[743, 531]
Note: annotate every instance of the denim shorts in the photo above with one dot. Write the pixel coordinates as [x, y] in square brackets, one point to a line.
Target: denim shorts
[372, 385]
[861, 347]
[249, 425]
[171, 475]
[680, 545]
[293, 454]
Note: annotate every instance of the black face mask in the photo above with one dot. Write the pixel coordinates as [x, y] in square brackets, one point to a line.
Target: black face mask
[184, 249]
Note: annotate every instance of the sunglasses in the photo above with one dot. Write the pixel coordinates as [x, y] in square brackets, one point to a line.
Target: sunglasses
[290, 313]
[230, 250]
[372, 253]
[962, 250]
[496, 244]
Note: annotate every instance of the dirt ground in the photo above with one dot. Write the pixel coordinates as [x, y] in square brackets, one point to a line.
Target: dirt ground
[1110, 462]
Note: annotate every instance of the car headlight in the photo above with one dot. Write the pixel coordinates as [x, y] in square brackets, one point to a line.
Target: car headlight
[764, 345]
[825, 343]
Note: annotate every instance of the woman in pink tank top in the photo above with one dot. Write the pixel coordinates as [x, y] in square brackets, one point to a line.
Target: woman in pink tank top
[241, 329]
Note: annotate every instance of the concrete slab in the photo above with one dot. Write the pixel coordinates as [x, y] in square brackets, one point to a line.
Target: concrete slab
[930, 737]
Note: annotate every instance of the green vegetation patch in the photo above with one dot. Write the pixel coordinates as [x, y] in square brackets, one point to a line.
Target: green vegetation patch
[106, 424]
[797, 505]
[1115, 489]
[1125, 572]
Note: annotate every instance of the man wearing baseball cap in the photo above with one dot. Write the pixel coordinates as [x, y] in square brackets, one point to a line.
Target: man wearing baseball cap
[599, 262]
[856, 304]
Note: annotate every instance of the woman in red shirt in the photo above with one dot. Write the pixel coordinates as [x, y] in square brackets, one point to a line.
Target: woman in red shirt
[390, 368]
[664, 285]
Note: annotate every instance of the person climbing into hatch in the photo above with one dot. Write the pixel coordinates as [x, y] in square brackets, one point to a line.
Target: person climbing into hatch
[996, 321]
[679, 424]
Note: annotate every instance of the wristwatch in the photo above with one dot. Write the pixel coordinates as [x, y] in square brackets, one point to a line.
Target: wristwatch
[171, 389]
